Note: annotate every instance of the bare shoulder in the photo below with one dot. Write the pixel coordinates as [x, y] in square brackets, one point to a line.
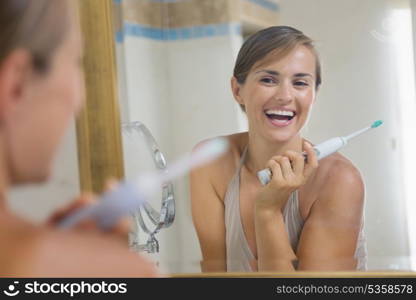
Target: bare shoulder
[339, 184]
[103, 254]
[45, 252]
[337, 169]
[220, 171]
[237, 143]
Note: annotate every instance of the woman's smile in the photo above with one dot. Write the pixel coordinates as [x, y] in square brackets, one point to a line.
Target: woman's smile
[280, 117]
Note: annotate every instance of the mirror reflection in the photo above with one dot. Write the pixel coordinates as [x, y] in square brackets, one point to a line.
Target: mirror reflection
[272, 75]
[152, 216]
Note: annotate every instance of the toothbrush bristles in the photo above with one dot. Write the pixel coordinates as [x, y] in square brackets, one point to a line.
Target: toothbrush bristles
[376, 124]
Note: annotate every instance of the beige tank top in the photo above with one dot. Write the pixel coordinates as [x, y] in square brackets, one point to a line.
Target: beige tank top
[239, 255]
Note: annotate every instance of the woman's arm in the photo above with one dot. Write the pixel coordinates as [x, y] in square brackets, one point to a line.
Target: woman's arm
[273, 247]
[208, 218]
[329, 236]
[289, 173]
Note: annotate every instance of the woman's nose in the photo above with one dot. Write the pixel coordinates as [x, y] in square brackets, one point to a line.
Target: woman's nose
[284, 93]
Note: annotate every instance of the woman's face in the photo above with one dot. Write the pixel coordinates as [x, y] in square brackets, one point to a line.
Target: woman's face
[35, 126]
[278, 95]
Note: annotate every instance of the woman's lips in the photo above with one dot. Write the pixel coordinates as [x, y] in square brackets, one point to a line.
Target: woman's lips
[280, 123]
[279, 117]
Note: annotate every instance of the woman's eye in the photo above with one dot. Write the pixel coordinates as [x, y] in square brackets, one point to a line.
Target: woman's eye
[268, 80]
[301, 83]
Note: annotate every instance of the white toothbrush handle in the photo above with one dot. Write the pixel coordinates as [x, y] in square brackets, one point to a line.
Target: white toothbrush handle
[357, 133]
[113, 205]
[322, 150]
[330, 146]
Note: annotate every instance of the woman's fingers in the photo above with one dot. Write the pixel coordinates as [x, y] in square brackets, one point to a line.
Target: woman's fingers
[83, 200]
[283, 168]
[289, 172]
[110, 184]
[297, 162]
[286, 166]
[121, 228]
[312, 162]
[293, 168]
[276, 170]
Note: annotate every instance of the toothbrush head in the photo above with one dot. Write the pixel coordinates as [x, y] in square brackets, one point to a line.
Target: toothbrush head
[376, 124]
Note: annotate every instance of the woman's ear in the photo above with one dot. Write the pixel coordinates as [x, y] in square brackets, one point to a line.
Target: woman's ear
[14, 72]
[236, 89]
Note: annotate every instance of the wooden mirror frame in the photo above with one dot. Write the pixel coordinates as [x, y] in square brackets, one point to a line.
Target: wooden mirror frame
[100, 155]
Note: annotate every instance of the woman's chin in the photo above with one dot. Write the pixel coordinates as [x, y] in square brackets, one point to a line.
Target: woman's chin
[280, 137]
[43, 176]
[38, 176]
[280, 132]
[280, 140]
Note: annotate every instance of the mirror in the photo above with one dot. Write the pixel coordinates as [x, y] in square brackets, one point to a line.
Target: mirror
[175, 60]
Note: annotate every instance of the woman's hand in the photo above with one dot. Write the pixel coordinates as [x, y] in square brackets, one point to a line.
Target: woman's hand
[289, 172]
[121, 228]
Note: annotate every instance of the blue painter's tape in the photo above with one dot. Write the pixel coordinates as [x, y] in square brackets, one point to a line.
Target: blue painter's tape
[270, 5]
[238, 29]
[185, 33]
[221, 29]
[134, 30]
[197, 32]
[264, 3]
[174, 34]
[210, 30]
[119, 37]
[166, 1]
[155, 34]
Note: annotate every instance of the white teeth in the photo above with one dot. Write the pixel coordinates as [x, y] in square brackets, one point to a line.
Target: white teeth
[280, 112]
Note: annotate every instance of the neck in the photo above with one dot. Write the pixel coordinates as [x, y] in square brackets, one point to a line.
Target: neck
[260, 151]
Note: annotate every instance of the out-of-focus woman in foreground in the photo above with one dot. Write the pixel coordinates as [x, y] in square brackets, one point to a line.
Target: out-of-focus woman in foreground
[41, 89]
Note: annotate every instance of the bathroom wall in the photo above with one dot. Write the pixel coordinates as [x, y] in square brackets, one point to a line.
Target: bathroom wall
[175, 73]
[198, 87]
[360, 85]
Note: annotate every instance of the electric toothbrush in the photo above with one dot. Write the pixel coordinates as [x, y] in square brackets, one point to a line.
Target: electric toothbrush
[127, 197]
[324, 149]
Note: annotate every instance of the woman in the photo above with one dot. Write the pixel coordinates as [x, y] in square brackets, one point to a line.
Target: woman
[309, 216]
[41, 88]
